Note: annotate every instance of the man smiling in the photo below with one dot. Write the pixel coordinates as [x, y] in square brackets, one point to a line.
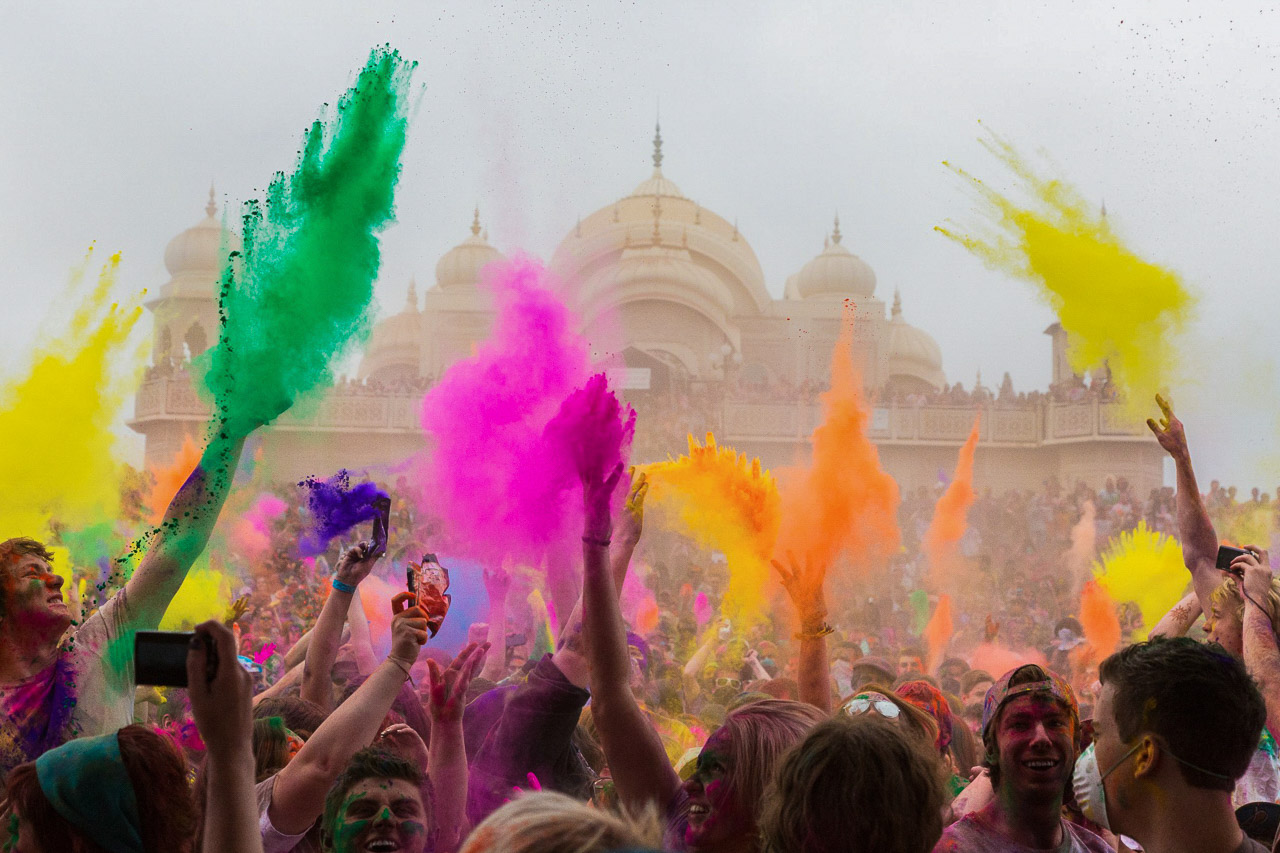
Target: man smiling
[379, 804]
[1031, 729]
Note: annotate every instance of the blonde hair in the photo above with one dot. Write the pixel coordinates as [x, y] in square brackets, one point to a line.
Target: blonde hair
[547, 822]
[1226, 598]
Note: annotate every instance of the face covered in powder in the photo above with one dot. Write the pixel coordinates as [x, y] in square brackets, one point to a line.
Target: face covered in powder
[32, 598]
[380, 816]
[717, 819]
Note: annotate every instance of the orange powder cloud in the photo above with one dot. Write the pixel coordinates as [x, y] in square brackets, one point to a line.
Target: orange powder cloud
[843, 502]
[942, 539]
[169, 478]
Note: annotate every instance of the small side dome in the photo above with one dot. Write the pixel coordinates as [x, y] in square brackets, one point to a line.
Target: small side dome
[836, 272]
[199, 249]
[461, 265]
[915, 360]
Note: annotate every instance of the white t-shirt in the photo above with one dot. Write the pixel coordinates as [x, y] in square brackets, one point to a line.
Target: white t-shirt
[87, 691]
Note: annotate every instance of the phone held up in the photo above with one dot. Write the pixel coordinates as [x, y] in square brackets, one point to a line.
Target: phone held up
[381, 525]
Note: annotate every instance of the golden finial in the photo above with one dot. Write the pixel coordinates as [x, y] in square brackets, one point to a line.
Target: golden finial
[835, 233]
[211, 208]
[475, 222]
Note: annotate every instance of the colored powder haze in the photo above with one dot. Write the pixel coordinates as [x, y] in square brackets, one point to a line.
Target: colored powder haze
[1117, 308]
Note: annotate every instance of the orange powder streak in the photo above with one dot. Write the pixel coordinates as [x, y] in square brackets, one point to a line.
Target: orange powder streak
[169, 478]
[843, 502]
[726, 502]
[942, 539]
[937, 634]
[1101, 620]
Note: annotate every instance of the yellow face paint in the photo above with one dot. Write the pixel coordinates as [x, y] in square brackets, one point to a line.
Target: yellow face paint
[1116, 307]
[1144, 567]
[56, 444]
[725, 502]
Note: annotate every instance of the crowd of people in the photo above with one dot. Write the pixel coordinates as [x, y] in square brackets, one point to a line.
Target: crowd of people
[320, 713]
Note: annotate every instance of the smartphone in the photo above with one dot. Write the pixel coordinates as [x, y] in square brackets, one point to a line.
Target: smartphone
[1226, 554]
[433, 589]
[381, 525]
[160, 658]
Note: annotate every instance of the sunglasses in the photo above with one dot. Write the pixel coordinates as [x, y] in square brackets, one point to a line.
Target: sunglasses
[879, 704]
[728, 682]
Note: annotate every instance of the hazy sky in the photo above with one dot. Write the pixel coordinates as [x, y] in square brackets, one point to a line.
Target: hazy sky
[115, 118]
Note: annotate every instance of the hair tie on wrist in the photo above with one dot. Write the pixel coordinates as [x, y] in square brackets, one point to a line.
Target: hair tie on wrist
[821, 631]
[591, 540]
[343, 587]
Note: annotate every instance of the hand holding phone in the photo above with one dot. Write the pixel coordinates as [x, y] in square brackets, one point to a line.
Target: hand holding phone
[381, 526]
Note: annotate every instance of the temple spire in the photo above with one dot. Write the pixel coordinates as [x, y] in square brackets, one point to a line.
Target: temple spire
[211, 208]
[411, 299]
[897, 302]
[657, 145]
[475, 222]
[835, 232]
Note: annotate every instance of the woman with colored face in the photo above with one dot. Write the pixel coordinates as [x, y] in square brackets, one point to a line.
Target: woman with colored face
[716, 809]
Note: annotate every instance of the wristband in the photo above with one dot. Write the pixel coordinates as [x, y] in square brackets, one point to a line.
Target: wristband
[591, 540]
[403, 668]
[343, 587]
[821, 631]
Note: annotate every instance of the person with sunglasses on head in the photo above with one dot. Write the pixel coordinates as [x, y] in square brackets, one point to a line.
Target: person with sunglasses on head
[1176, 725]
[1031, 732]
[879, 701]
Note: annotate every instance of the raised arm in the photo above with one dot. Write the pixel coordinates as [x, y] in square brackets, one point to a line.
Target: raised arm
[221, 709]
[353, 567]
[804, 585]
[361, 641]
[497, 583]
[447, 755]
[1195, 529]
[298, 797]
[1261, 656]
[180, 538]
[632, 748]
[1178, 621]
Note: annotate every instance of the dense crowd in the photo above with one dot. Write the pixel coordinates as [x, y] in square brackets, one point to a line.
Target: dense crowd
[627, 713]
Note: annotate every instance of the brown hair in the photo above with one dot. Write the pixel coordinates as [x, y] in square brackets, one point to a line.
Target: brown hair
[13, 550]
[301, 716]
[167, 813]
[270, 747]
[855, 784]
[759, 735]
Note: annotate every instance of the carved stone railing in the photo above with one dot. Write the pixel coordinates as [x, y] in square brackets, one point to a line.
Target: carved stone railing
[1028, 424]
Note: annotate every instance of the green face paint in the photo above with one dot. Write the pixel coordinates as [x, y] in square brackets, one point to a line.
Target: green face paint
[378, 809]
[299, 292]
[14, 828]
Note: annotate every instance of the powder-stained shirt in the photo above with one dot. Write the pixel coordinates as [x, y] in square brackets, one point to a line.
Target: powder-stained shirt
[273, 840]
[975, 833]
[81, 694]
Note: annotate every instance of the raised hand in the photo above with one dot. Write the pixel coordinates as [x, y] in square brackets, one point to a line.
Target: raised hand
[447, 688]
[632, 522]
[497, 582]
[221, 704]
[355, 563]
[803, 583]
[597, 489]
[408, 629]
[1254, 569]
[236, 610]
[1168, 430]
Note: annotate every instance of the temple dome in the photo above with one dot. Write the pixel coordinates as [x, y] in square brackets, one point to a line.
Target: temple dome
[461, 265]
[199, 249]
[913, 353]
[836, 272]
[395, 345]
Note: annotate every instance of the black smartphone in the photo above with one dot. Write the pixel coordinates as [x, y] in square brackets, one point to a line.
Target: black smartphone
[381, 525]
[1226, 554]
[160, 658]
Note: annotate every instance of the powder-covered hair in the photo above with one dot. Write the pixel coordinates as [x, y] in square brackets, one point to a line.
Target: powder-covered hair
[1226, 598]
[547, 822]
[167, 813]
[759, 735]
[856, 785]
[270, 747]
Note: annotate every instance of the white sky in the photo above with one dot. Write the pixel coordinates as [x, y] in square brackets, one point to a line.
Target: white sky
[115, 117]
